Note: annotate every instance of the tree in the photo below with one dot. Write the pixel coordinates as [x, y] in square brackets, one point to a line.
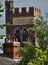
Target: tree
[3, 25]
[27, 53]
[41, 58]
[32, 55]
[41, 30]
[42, 33]
[1, 11]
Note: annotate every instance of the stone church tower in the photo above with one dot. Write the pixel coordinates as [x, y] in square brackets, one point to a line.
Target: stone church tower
[20, 22]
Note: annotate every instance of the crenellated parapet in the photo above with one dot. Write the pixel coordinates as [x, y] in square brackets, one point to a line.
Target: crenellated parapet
[16, 11]
[32, 12]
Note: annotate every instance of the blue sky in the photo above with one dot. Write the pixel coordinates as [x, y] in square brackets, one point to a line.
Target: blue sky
[42, 4]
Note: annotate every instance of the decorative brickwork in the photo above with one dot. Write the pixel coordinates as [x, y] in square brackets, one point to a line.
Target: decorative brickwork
[20, 23]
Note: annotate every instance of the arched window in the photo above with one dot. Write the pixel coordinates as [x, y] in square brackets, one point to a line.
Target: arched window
[25, 35]
[18, 34]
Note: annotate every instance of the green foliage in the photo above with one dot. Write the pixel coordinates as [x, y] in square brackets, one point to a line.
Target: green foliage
[36, 56]
[41, 30]
[1, 9]
[1, 36]
[41, 58]
[43, 35]
[1, 47]
[32, 56]
[3, 25]
[27, 53]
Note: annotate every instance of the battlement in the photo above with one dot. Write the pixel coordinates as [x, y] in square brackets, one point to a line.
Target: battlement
[32, 12]
[23, 12]
[16, 11]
